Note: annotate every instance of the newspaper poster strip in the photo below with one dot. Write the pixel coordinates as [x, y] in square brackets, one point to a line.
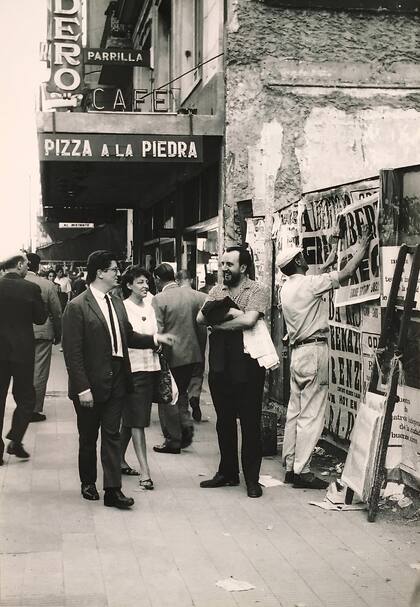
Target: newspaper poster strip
[255, 236]
[345, 379]
[389, 259]
[364, 284]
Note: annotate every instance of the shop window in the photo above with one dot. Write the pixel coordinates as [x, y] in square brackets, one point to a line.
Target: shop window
[209, 204]
[191, 202]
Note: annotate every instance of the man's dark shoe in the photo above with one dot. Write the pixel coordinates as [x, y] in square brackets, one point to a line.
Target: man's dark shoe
[38, 417]
[196, 411]
[166, 448]
[18, 450]
[289, 477]
[89, 491]
[116, 498]
[308, 481]
[254, 490]
[187, 437]
[219, 480]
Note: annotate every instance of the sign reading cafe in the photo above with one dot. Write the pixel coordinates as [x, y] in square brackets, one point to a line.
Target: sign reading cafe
[138, 148]
[65, 25]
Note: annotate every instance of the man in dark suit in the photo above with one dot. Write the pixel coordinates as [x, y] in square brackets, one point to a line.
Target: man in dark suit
[45, 335]
[96, 334]
[176, 311]
[21, 305]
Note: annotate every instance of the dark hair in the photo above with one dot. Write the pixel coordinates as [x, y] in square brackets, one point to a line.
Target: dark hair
[165, 272]
[130, 275]
[210, 280]
[34, 261]
[98, 260]
[11, 263]
[183, 275]
[245, 258]
[51, 271]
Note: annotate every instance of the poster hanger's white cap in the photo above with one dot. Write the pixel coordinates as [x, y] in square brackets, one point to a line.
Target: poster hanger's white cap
[286, 255]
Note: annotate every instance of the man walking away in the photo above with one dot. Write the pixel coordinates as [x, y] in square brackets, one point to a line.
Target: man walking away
[45, 335]
[21, 306]
[176, 312]
[236, 380]
[184, 280]
[96, 336]
[306, 316]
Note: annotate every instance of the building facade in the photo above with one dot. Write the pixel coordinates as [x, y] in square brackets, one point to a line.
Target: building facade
[132, 118]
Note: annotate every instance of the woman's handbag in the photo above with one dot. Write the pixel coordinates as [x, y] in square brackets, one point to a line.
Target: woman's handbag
[164, 389]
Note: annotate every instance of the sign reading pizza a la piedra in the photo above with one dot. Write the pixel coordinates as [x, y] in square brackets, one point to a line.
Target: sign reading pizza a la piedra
[65, 33]
[137, 148]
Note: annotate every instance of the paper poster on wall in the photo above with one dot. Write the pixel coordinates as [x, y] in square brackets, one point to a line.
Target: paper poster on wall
[256, 238]
[389, 259]
[284, 233]
[345, 379]
[319, 212]
[364, 284]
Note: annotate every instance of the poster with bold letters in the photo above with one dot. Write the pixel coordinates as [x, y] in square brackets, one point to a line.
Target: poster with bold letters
[364, 284]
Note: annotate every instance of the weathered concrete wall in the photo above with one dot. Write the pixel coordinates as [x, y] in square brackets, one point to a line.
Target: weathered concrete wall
[314, 99]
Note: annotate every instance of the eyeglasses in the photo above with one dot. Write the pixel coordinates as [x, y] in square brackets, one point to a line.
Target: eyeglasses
[116, 270]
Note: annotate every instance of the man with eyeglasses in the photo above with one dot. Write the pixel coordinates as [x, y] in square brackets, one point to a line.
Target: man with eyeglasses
[96, 335]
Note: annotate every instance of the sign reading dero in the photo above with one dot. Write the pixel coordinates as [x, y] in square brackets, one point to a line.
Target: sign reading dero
[135, 148]
[66, 46]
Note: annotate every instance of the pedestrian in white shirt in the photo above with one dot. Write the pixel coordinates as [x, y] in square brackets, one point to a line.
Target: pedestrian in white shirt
[306, 317]
[145, 365]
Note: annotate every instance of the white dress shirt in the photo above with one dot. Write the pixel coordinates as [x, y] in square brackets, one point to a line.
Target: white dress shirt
[100, 300]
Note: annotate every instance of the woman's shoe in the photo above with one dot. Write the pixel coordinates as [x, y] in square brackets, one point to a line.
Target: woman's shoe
[129, 471]
[146, 484]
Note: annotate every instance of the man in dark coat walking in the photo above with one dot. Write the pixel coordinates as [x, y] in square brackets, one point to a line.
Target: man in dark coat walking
[21, 306]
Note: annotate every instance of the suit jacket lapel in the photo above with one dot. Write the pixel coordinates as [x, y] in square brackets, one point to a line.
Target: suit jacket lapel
[92, 303]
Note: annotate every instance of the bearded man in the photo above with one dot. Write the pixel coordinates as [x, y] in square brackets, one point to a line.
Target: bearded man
[236, 380]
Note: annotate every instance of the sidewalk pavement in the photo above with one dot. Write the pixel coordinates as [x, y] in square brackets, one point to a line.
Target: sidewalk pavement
[57, 549]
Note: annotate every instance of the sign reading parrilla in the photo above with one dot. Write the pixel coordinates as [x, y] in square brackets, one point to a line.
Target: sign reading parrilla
[101, 56]
[137, 148]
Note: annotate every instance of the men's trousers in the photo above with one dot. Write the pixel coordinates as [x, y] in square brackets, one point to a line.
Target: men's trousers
[107, 417]
[176, 419]
[24, 395]
[307, 403]
[196, 383]
[43, 350]
[243, 400]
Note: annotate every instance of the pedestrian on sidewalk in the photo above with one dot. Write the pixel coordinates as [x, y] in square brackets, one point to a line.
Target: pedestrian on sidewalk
[64, 282]
[21, 306]
[306, 315]
[145, 367]
[176, 312]
[96, 336]
[236, 380]
[184, 280]
[45, 335]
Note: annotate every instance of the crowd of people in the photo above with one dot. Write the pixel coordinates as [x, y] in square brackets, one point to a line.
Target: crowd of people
[120, 342]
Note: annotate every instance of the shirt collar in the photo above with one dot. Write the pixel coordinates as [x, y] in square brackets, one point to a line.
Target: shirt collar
[97, 293]
[170, 284]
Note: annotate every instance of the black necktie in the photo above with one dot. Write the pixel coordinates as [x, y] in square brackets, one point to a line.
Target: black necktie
[111, 317]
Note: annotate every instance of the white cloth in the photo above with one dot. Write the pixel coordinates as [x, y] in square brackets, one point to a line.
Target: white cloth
[259, 345]
[100, 300]
[304, 310]
[64, 284]
[143, 320]
[307, 403]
